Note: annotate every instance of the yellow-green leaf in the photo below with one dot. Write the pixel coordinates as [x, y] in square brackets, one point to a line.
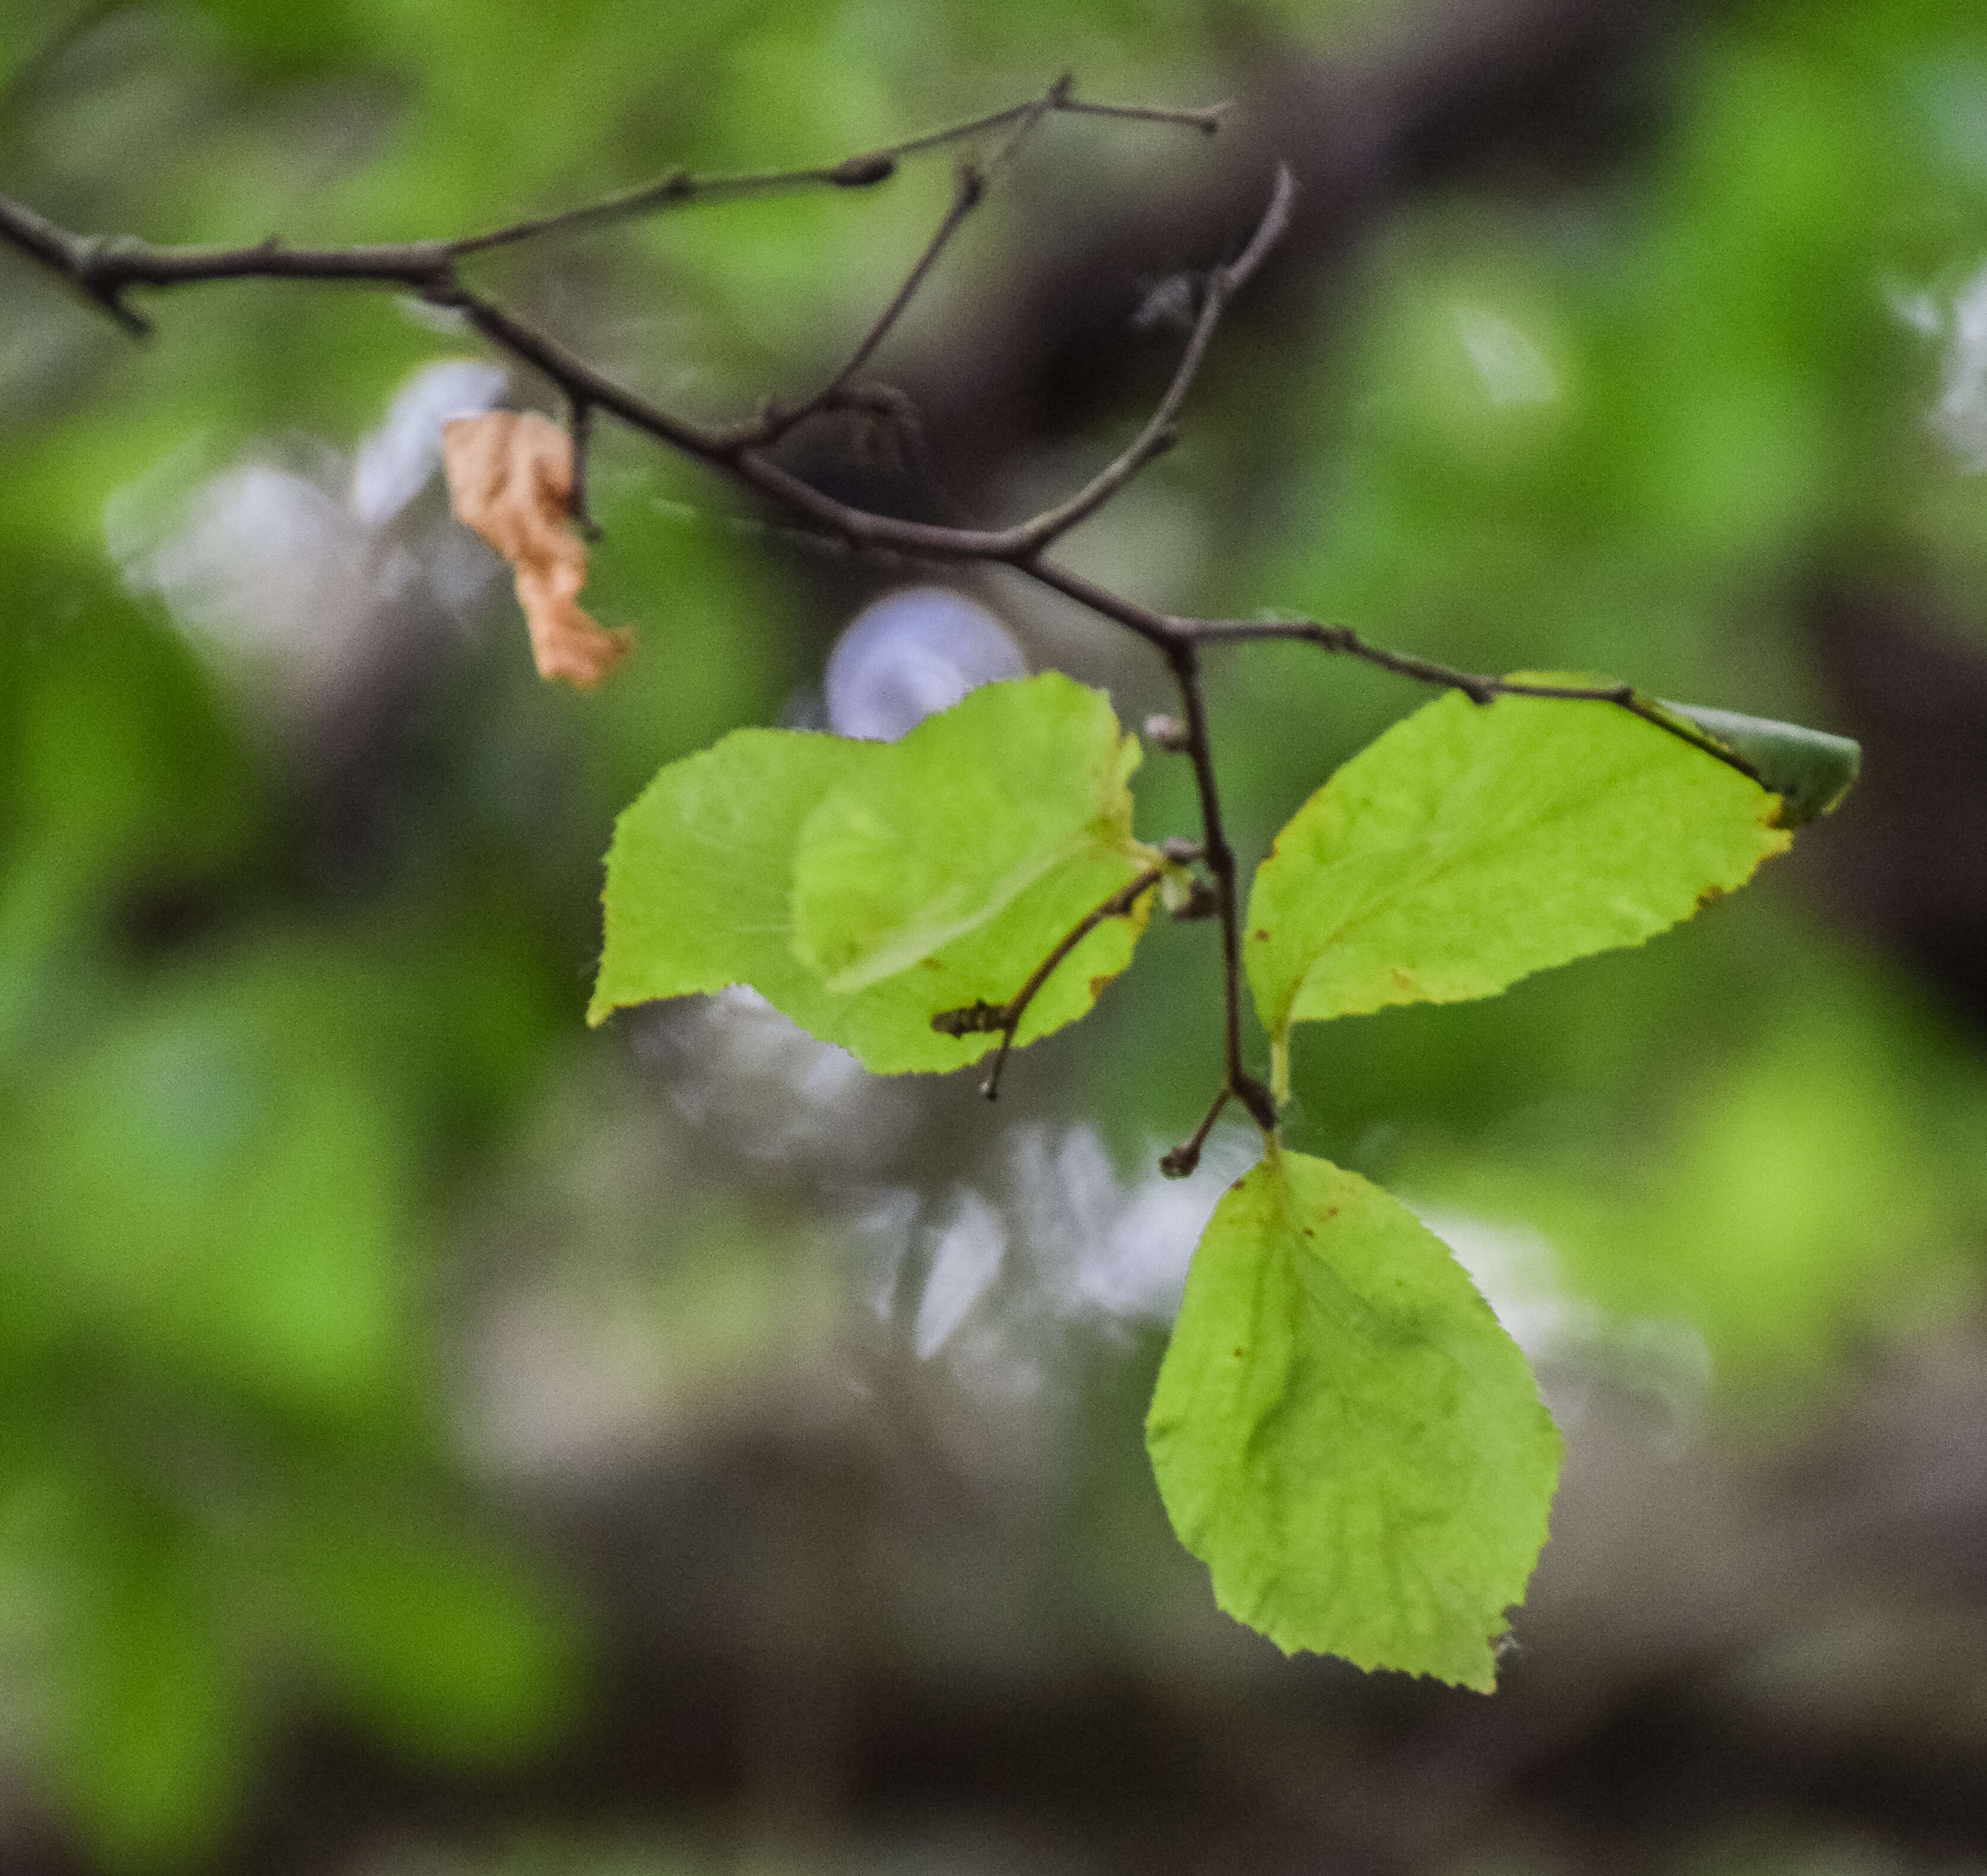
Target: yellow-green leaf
[1345, 1436]
[927, 839]
[1474, 844]
[700, 878]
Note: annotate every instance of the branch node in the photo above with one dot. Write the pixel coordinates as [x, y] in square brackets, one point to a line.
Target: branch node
[91, 266]
[982, 1018]
[978, 1018]
[1261, 1103]
[863, 172]
[1184, 1158]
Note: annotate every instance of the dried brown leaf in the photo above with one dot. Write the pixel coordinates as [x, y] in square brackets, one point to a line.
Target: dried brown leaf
[510, 477]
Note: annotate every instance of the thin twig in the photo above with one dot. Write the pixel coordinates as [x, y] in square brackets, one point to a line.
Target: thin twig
[679, 188]
[969, 188]
[1158, 436]
[1480, 687]
[1184, 657]
[1208, 118]
[103, 270]
[969, 184]
[987, 1019]
[579, 426]
[1184, 1158]
[1059, 97]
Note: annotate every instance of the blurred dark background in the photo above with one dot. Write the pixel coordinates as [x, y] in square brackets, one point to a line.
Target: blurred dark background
[436, 1440]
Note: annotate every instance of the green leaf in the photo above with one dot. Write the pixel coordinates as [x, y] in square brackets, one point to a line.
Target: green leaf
[1474, 844]
[929, 837]
[1343, 1433]
[1809, 770]
[701, 887]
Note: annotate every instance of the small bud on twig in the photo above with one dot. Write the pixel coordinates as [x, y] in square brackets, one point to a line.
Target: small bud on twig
[861, 172]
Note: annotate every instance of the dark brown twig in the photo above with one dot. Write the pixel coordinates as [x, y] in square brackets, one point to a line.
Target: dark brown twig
[970, 185]
[987, 1019]
[579, 426]
[1185, 659]
[1480, 687]
[1158, 435]
[969, 188]
[1184, 1158]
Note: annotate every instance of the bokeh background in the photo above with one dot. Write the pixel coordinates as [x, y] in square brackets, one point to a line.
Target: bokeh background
[439, 1440]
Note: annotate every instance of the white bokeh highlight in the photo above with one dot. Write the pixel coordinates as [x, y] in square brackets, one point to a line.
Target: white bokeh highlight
[911, 654]
[297, 567]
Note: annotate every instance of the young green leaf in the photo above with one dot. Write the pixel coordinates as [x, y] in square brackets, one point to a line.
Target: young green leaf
[700, 873]
[700, 886]
[1809, 770]
[1474, 844]
[1343, 1433]
[929, 837]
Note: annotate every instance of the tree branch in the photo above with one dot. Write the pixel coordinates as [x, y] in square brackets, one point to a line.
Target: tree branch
[1158, 436]
[987, 1019]
[969, 191]
[1184, 657]
[1480, 687]
[1181, 1161]
[105, 270]
[579, 427]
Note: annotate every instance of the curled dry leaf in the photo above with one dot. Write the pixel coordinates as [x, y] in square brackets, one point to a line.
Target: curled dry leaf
[510, 477]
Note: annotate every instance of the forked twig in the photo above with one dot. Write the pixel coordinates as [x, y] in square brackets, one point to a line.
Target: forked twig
[969, 190]
[105, 271]
[679, 188]
[1158, 435]
[1004, 1019]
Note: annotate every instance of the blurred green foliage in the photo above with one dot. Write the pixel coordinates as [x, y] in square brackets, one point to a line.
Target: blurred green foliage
[274, 1045]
